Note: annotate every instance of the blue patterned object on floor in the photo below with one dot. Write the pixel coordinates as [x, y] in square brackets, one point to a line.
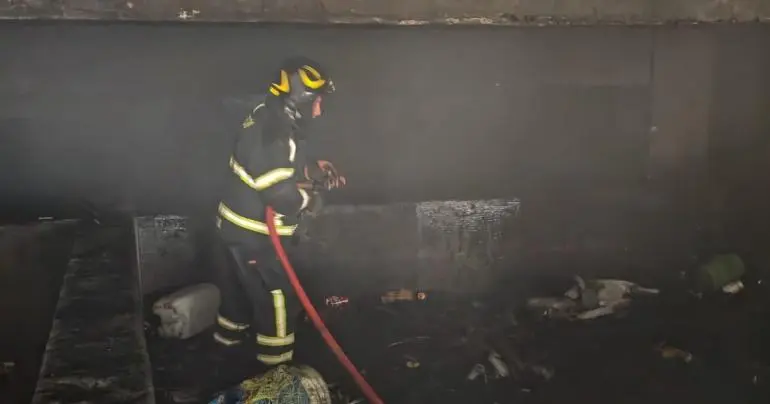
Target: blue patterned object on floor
[281, 385]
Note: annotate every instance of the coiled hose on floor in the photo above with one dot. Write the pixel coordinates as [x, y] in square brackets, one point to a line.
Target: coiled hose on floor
[366, 389]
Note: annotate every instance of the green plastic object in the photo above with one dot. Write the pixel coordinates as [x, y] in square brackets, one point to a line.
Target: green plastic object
[719, 271]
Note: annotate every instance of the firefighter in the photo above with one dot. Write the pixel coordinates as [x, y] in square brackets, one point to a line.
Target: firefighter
[269, 166]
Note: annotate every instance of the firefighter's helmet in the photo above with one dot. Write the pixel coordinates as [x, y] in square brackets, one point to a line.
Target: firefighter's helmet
[299, 81]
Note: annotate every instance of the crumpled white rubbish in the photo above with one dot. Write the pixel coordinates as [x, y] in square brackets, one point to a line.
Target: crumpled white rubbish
[596, 298]
[611, 295]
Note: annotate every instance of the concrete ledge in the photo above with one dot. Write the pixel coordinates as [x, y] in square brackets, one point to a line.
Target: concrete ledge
[165, 252]
[399, 12]
[96, 351]
[451, 245]
[456, 246]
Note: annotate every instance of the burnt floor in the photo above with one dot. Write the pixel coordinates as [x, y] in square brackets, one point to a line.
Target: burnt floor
[33, 259]
[609, 360]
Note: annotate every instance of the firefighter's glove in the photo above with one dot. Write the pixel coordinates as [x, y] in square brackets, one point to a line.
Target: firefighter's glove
[323, 175]
[312, 202]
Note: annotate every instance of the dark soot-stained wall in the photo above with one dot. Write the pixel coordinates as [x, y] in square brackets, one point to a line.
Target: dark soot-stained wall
[144, 115]
[148, 113]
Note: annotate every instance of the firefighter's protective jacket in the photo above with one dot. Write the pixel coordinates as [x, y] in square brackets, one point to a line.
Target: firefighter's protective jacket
[265, 167]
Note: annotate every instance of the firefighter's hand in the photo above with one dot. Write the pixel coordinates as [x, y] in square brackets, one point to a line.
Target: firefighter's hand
[333, 178]
[325, 175]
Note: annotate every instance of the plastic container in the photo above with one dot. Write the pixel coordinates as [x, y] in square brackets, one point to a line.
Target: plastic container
[188, 311]
[720, 271]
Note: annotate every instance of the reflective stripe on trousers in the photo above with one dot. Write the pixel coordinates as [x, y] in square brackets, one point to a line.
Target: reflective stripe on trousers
[222, 340]
[278, 348]
[275, 359]
[230, 325]
[230, 332]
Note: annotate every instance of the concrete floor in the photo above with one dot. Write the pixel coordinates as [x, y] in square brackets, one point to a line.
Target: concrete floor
[607, 361]
[603, 361]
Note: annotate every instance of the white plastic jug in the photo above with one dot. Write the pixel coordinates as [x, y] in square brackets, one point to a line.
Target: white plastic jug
[188, 311]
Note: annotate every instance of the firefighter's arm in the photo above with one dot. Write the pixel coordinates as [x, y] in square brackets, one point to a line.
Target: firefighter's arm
[288, 198]
[282, 191]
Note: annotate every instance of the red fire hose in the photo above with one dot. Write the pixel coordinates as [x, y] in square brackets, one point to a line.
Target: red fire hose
[313, 314]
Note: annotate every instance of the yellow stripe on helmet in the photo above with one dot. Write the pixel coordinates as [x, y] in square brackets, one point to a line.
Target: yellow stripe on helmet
[315, 82]
[283, 86]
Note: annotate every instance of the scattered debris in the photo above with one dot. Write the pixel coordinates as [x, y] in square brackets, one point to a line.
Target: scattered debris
[402, 295]
[590, 299]
[501, 369]
[476, 371]
[552, 306]
[733, 288]
[514, 364]
[339, 395]
[603, 311]
[545, 372]
[411, 362]
[409, 341]
[670, 352]
[337, 301]
[606, 290]
[480, 336]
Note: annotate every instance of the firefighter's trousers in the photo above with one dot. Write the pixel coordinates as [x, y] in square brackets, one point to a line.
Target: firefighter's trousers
[259, 306]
